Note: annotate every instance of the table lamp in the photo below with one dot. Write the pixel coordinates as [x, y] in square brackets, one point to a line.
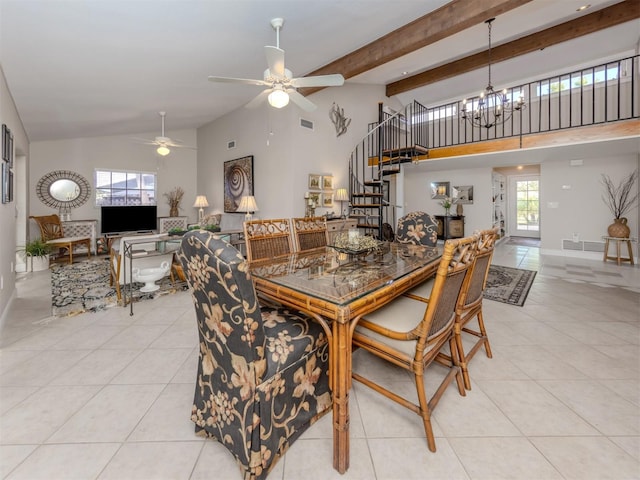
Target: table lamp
[248, 205]
[201, 202]
[342, 196]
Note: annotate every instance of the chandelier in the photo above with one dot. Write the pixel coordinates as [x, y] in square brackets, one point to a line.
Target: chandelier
[490, 108]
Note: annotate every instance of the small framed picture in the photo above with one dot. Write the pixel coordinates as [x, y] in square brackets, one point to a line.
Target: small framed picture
[315, 181]
[440, 189]
[316, 197]
[5, 182]
[10, 150]
[327, 182]
[463, 194]
[5, 142]
[327, 200]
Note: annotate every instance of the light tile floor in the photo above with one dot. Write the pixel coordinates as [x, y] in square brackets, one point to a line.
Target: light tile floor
[108, 395]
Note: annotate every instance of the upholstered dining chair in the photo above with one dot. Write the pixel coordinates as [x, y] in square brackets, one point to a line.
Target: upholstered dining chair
[310, 232]
[52, 233]
[418, 228]
[470, 302]
[267, 238]
[263, 372]
[413, 333]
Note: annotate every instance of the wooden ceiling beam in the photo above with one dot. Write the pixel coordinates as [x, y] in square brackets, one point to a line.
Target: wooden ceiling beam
[622, 12]
[454, 17]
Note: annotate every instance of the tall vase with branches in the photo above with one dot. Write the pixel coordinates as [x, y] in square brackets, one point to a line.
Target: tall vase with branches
[174, 197]
[620, 199]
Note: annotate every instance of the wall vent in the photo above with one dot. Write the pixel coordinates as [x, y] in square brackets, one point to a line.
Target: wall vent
[306, 124]
[583, 246]
[231, 144]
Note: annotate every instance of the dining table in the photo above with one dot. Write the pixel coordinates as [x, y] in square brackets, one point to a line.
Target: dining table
[337, 288]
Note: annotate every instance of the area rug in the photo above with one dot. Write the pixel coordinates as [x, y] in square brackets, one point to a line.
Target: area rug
[508, 285]
[524, 241]
[84, 287]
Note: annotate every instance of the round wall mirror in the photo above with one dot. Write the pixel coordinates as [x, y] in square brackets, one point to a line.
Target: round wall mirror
[63, 189]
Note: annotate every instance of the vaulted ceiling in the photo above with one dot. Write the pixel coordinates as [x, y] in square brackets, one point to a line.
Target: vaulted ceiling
[106, 67]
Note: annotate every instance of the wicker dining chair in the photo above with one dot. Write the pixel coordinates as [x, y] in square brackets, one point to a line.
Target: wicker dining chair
[310, 232]
[262, 376]
[470, 302]
[267, 238]
[52, 233]
[418, 228]
[411, 333]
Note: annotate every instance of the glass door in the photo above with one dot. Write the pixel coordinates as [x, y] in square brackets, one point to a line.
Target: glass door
[524, 211]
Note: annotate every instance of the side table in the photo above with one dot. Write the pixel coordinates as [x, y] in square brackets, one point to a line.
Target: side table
[618, 257]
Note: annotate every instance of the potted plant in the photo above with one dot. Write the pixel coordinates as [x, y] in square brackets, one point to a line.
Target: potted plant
[620, 199]
[38, 251]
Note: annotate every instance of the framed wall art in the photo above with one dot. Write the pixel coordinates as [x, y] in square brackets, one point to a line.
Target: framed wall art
[238, 181]
[463, 194]
[315, 181]
[10, 150]
[327, 182]
[5, 182]
[5, 142]
[440, 189]
[327, 200]
[316, 197]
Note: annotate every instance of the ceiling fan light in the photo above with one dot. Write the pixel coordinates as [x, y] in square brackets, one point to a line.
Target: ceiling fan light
[163, 151]
[278, 99]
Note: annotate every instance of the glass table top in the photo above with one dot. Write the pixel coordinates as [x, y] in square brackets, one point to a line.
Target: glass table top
[340, 278]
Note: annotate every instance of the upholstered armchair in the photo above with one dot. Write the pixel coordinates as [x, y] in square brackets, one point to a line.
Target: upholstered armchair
[418, 228]
[263, 371]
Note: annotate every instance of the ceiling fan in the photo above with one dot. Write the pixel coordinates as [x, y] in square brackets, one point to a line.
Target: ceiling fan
[280, 83]
[164, 144]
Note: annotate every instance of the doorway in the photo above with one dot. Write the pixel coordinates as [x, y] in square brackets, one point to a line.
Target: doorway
[524, 206]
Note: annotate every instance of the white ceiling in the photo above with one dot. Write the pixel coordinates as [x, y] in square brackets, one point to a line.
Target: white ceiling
[83, 68]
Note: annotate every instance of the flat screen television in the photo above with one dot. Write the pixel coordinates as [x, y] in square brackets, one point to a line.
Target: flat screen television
[131, 218]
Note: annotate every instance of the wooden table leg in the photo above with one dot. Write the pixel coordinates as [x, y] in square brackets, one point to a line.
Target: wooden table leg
[342, 380]
[630, 248]
[606, 250]
[618, 251]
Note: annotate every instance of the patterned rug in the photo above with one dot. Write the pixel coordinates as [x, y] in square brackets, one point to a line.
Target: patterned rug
[84, 287]
[508, 285]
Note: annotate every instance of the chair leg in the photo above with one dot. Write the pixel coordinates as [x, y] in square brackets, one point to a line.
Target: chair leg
[462, 359]
[483, 331]
[425, 413]
[456, 365]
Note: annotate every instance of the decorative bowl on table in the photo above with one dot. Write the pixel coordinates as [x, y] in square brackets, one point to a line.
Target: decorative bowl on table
[355, 244]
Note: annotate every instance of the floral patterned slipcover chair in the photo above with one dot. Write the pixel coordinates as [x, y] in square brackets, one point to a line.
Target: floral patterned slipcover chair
[418, 228]
[262, 372]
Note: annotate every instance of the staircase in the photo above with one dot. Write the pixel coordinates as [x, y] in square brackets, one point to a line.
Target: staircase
[394, 139]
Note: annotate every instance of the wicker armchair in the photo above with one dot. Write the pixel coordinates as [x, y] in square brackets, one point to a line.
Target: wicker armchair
[267, 238]
[411, 333]
[263, 372]
[310, 232]
[418, 228]
[52, 233]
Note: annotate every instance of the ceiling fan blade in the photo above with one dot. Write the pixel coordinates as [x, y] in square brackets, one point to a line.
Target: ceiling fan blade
[275, 60]
[246, 81]
[335, 80]
[261, 97]
[301, 101]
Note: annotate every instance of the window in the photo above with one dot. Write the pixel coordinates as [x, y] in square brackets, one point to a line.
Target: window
[125, 188]
[578, 79]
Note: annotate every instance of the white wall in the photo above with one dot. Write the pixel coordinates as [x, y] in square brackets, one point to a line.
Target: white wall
[417, 194]
[282, 166]
[84, 155]
[8, 211]
[580, 209]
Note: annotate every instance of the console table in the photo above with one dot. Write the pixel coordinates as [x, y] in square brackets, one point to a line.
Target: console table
[450, 226]
[82, 228]
[619, 258]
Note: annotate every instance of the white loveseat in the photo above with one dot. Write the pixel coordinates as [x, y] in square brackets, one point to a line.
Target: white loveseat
[144, 255]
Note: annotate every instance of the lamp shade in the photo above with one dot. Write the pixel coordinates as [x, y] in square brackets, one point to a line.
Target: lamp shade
[162, 150]
[201, 201]
[278, 98]
[342, 195]
[248, 204]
